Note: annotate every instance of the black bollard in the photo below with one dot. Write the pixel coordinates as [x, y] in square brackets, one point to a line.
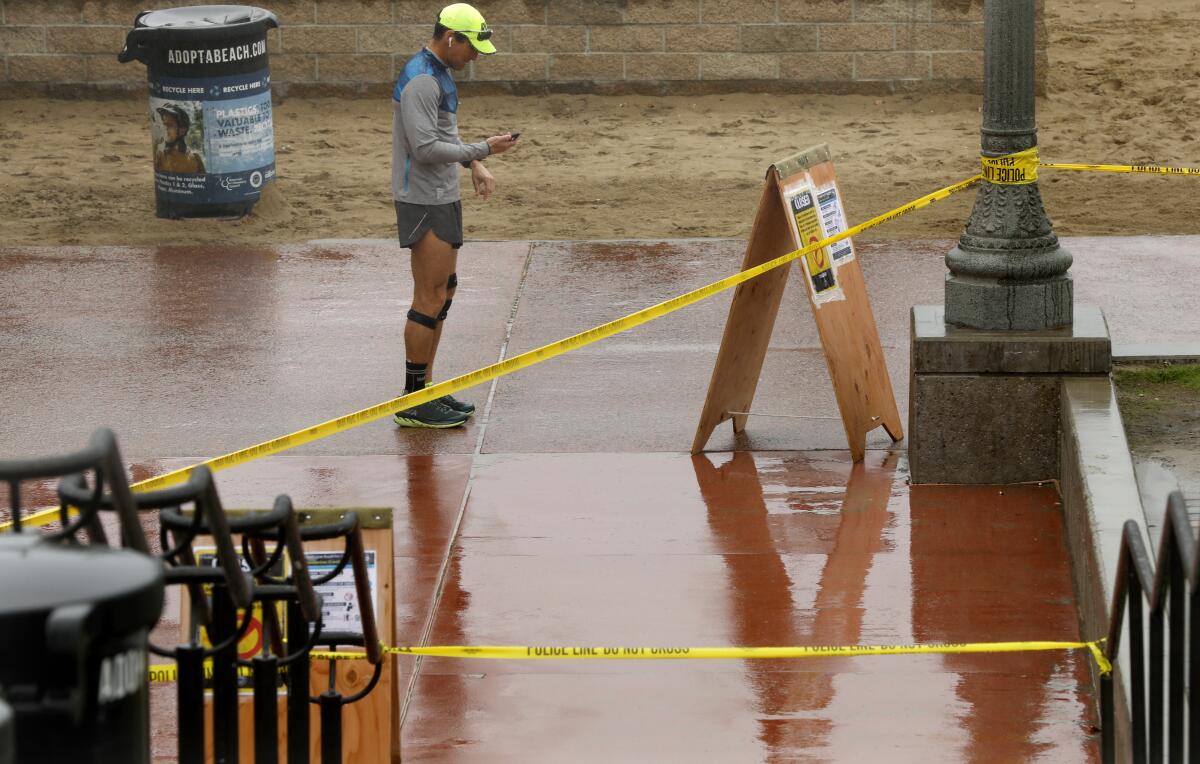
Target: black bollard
[73, 641]
[298, 734]
[266, 709]
[331, 720]
[224, 679]
[8, 738]
[189, 693]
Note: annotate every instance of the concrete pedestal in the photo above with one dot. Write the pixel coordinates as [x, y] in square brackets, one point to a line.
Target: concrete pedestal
[984, 406]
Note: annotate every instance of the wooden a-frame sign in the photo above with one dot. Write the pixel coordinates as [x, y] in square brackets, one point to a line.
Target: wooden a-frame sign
[801, 204]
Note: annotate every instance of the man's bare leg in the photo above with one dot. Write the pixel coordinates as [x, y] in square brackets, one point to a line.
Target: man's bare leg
[433, 261]
[437, 333]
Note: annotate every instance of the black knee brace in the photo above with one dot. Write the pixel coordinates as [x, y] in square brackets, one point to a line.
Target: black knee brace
[429, 322]
[451, 283]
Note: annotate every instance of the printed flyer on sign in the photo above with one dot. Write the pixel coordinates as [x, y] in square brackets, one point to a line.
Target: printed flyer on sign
[833, 222]
[214, 141]
[339, 598]
[817, 265]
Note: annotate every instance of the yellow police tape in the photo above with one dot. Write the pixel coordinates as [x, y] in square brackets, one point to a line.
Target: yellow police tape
[1013, 169]
[167, 672]
[738, 653]
[1130, 168]
[1022, 168]
[516, 363]
[1018, 168]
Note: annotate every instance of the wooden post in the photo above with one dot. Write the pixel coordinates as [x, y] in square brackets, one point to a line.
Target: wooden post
[801, 203]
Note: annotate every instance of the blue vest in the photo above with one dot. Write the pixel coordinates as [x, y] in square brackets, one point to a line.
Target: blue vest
[425, 62]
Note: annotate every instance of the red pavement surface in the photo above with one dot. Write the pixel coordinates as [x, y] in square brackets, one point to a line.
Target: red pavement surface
[582, 520]
[742, 548]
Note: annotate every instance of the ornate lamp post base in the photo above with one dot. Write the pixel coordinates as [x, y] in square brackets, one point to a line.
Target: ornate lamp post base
[1008, 272]
[986, 407]
[997, 304]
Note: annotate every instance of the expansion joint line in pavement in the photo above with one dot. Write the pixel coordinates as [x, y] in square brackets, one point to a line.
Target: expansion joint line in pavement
[484, 420]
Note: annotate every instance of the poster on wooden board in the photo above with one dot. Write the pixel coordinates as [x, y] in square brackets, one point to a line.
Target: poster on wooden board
[370, 727]
[802, 204]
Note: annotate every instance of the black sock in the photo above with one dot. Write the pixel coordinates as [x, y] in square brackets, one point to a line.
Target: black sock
[414, 376]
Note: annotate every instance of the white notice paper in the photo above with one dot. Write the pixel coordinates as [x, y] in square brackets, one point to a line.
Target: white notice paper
[833, 222]
[339, 598]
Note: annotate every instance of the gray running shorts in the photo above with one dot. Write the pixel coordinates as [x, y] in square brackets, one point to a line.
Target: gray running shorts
[445, 220]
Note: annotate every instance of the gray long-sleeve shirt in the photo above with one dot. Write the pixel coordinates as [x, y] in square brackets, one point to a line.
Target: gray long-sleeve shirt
[426, 149]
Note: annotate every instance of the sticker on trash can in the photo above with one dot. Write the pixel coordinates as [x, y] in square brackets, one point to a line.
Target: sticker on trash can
[213, 137]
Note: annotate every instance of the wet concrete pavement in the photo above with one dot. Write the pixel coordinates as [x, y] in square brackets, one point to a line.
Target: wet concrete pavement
[193, 352]
[582, 519]
[187, 352]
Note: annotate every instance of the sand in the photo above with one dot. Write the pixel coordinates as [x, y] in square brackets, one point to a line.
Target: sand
[1122, 89]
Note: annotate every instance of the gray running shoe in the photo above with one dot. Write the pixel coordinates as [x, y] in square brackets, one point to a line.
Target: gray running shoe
[431, 414]
[461, 407]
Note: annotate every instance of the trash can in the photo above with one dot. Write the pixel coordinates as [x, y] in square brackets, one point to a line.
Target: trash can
[8, 745]
[210, 106]
[73, 629]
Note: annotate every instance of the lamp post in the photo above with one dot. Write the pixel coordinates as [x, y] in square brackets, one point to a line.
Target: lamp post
[990, 367]
[1008, 272]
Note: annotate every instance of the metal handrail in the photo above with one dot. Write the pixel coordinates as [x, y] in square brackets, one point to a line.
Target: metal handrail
[102, 457]
[1169, 587]
[209, 518]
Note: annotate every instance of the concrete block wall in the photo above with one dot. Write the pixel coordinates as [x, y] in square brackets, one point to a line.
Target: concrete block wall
[653, 46]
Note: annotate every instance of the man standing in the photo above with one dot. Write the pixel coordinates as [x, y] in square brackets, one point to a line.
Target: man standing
[426, 152]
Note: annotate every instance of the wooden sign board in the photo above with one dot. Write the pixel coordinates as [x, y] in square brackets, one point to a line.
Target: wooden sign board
[370, 727]
[801, 203]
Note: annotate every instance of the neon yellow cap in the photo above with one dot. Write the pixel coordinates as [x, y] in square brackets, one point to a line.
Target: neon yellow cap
[469, 23]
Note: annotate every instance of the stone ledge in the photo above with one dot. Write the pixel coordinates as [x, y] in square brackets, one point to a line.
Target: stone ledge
[1082, 348]
[1100, 494]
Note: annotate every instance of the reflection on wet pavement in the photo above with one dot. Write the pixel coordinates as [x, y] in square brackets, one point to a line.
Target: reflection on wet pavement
[751, 549]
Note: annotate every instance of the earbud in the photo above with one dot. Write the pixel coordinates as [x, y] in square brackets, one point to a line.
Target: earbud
[451, 45]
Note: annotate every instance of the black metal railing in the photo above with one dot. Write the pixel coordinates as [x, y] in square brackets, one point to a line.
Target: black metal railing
[223, 591]
[1164, 643]
[101, 462]
[215, 595]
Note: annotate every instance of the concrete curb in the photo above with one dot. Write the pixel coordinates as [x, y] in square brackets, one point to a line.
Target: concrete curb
[1100, 493]
[1155, 353]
